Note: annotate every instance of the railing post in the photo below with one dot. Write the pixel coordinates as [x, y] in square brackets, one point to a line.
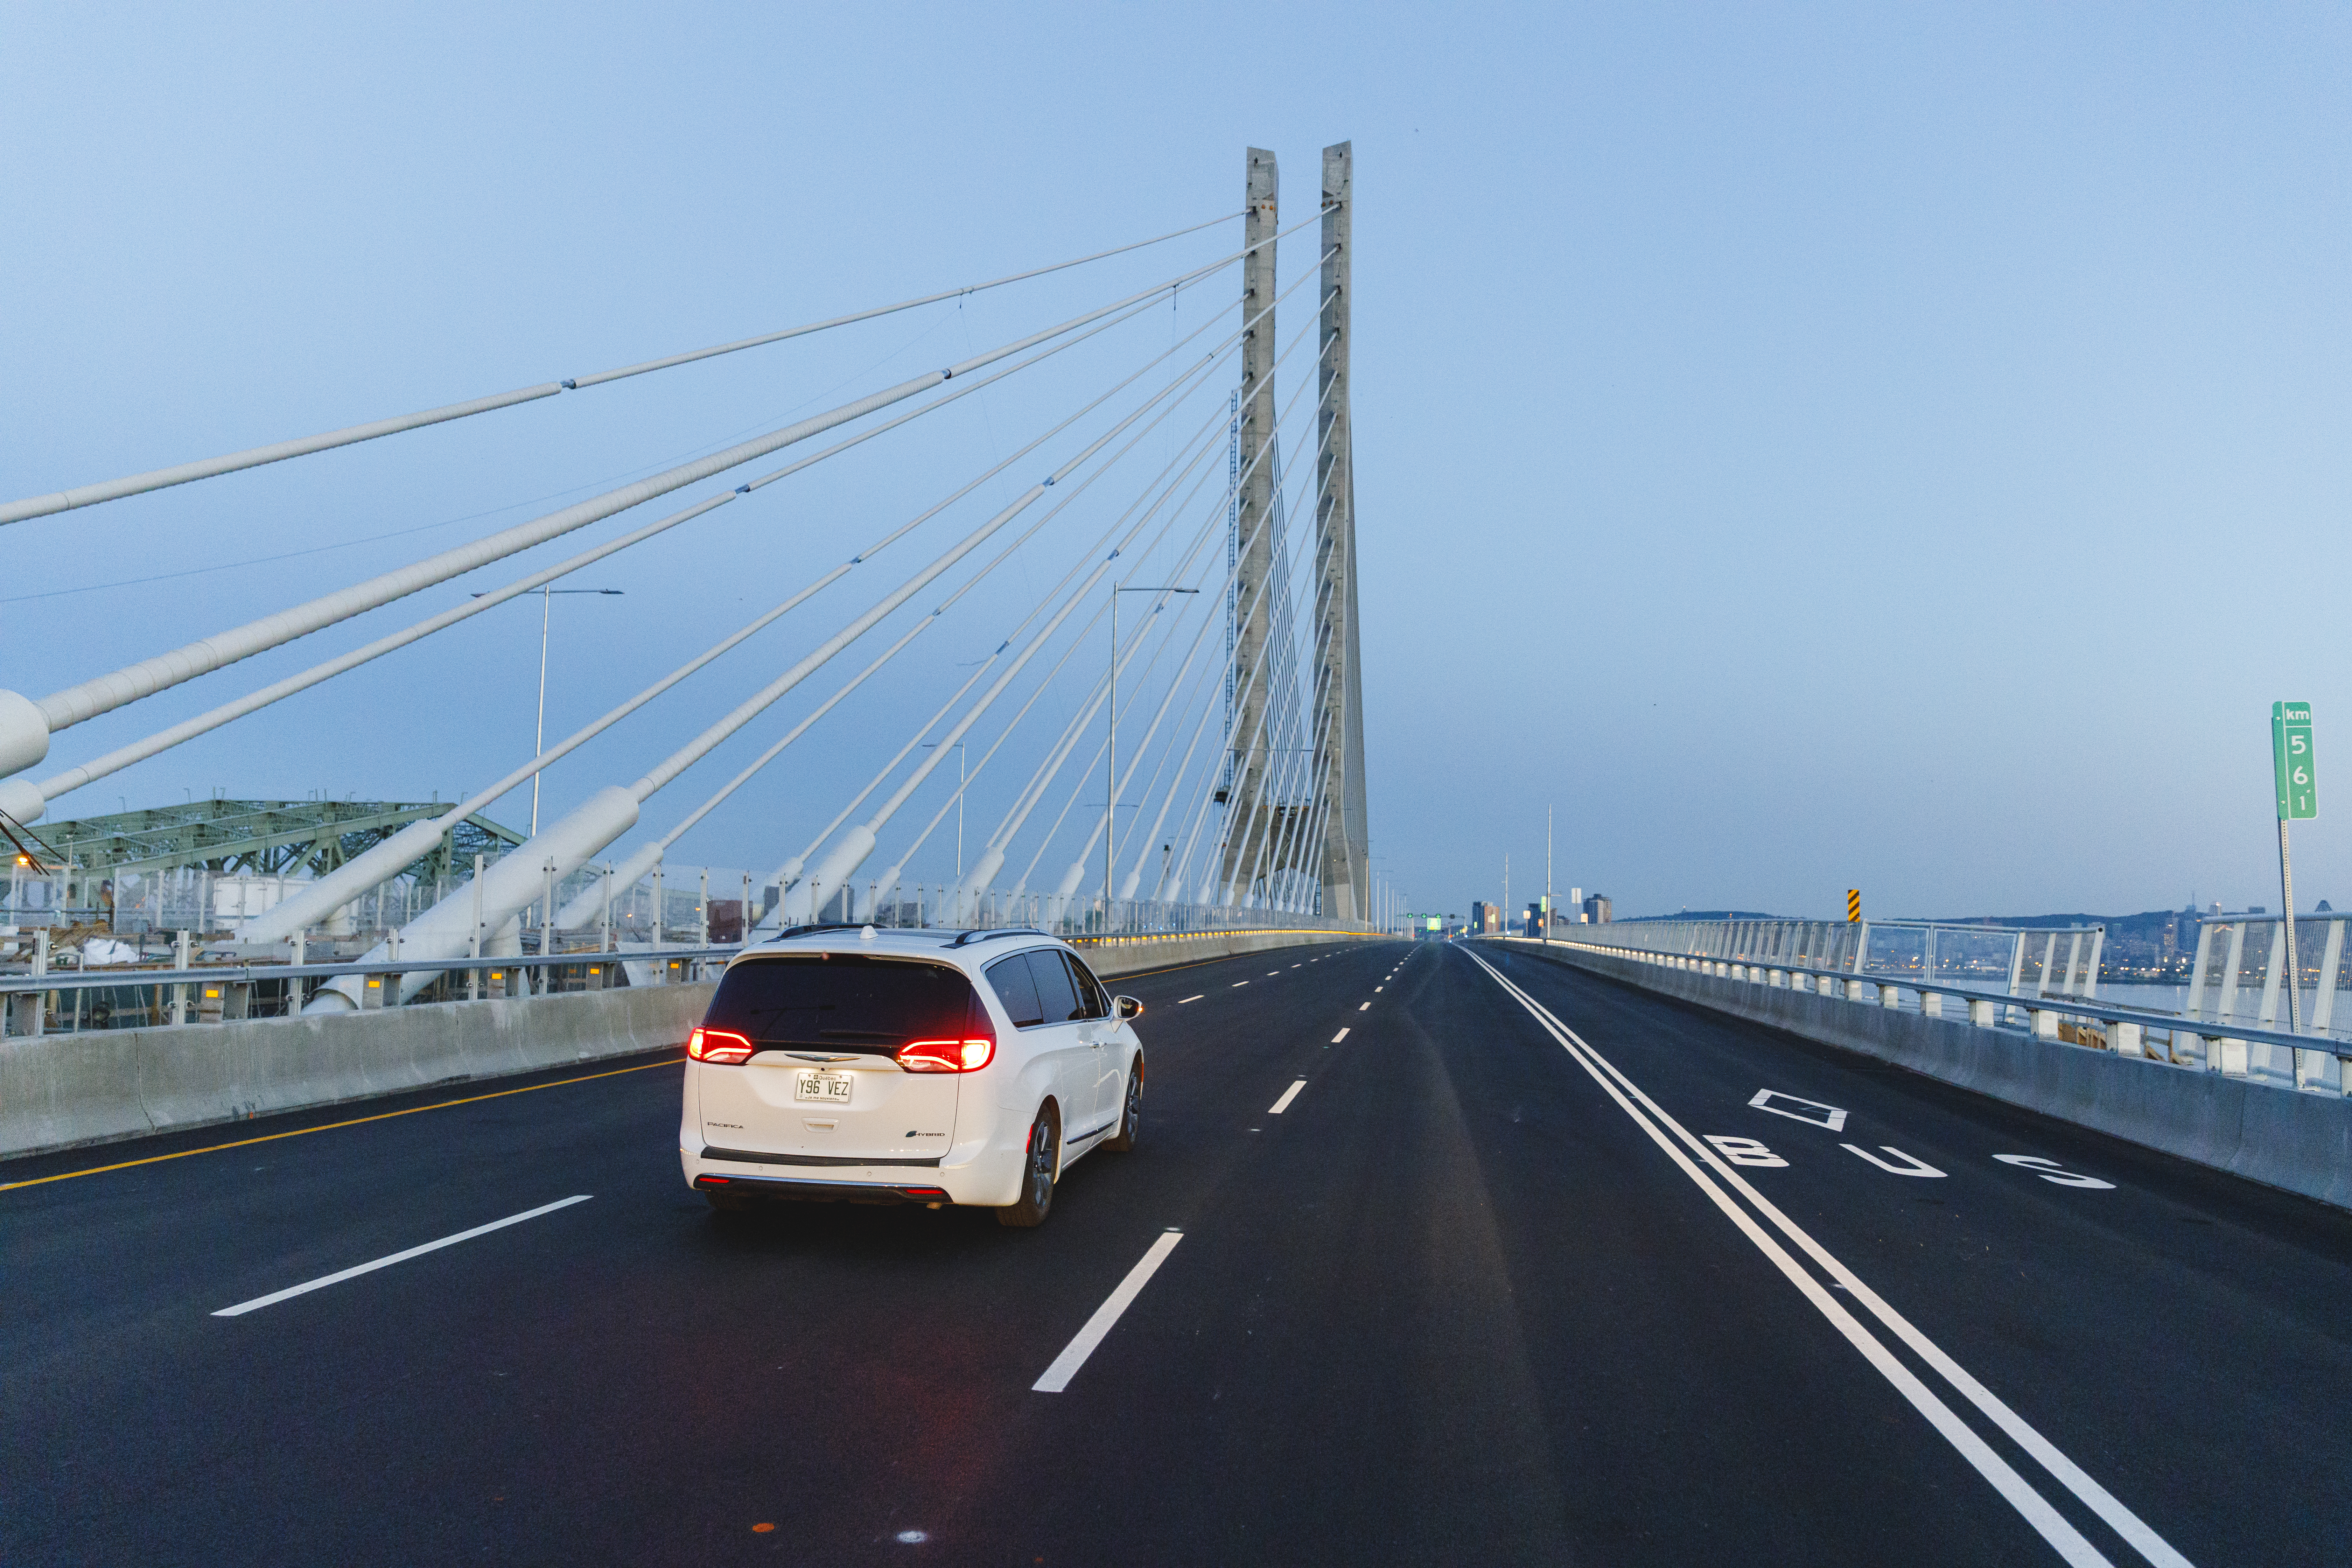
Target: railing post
[2196, 1003]
[474, 942]
[661, 970]
[2311, 1067]
[179, 992]
[2225, 1006]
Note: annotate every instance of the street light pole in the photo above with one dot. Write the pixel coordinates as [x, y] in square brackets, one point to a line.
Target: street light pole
[539, 726]
[1110, 783]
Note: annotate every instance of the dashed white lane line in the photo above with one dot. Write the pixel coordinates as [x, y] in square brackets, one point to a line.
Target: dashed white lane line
[1365, 1008]
[1378, 989]
[354, 1272]
[1237, 986]
[1272, 972]
[1338, 1038]
[1073, 1354]
[1287, 1096]
[1182, 1000]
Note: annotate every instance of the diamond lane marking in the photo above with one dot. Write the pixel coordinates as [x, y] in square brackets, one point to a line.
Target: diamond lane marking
[1831, 1118]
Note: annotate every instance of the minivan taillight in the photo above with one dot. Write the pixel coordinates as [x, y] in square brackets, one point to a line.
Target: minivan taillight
[719, 1046]
[947, 1056]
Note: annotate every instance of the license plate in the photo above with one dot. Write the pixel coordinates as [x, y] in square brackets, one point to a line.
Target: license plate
[831, 1088]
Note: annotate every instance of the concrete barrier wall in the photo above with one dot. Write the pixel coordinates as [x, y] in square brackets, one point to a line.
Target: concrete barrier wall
[2281, 1138]
[57, 1090]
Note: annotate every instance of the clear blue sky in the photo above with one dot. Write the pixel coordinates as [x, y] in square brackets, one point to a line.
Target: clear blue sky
[1808, 446]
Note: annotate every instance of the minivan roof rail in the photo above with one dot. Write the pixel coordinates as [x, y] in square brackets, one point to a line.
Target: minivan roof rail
[972, 936]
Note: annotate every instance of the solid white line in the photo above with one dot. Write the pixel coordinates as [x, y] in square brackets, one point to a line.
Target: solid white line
[2032, 1505]
[321, 1283]
[1073, 1354]
[2125, 1522]
[1287, 1096]
[1338, 1038]
[1182, 1000]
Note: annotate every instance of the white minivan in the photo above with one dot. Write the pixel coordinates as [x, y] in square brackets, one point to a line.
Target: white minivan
[929, 1067]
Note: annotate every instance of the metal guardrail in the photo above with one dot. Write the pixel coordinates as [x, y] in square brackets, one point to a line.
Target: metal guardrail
[2059, 959]
[2314, 1063]
[222, 993]
[208, 993]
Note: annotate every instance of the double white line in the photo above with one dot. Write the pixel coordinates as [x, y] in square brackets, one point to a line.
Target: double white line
[1712, 1175]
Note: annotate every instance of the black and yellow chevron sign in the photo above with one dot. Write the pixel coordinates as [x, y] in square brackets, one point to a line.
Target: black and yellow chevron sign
[1854, 905]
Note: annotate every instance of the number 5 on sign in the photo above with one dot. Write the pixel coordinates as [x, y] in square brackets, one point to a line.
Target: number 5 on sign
[2291, 761]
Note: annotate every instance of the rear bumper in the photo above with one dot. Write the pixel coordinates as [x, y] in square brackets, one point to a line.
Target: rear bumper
[986, 1180]
[778, 1189]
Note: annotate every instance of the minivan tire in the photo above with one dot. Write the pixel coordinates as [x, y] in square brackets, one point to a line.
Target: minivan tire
[1039, 1167]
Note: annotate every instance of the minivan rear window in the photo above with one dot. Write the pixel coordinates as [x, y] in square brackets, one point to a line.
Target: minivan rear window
[844, 1001]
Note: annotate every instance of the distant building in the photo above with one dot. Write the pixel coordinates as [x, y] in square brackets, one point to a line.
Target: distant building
[1486, 918]
[1596, 908]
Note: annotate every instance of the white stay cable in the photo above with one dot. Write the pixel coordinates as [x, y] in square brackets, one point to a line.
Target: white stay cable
[784, 876]
[1000, 840]
[1259, 600]
[694, 749]
[1054, 763]
[650, 855]
[19, 803]
[1183, 771]
[446, 931]
[254, 458]
[1010, 824]
[858, 843]
[25, 727]
[1080, 722]
[331, 893]
[964, 784]
[1117, 787]
[1205, 689]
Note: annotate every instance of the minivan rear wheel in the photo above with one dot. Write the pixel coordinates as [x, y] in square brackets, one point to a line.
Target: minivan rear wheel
[1037, 1198]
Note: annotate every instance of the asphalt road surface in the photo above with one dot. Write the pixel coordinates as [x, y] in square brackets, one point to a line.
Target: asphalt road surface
[1481, 1290]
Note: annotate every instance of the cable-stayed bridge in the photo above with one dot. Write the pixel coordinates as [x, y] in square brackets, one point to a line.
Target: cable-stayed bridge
[1456, 1252]
[1207, 770]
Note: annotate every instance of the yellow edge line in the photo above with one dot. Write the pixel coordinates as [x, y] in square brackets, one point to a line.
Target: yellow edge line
[331, 1126]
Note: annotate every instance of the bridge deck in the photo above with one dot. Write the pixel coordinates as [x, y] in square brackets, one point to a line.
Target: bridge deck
[1452, 1304]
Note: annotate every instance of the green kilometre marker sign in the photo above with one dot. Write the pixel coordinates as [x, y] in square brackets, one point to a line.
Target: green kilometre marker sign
[2293, 770]
[2298, 787]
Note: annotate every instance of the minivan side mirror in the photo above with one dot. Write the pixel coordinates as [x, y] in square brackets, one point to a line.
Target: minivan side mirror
[1127, 1007]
